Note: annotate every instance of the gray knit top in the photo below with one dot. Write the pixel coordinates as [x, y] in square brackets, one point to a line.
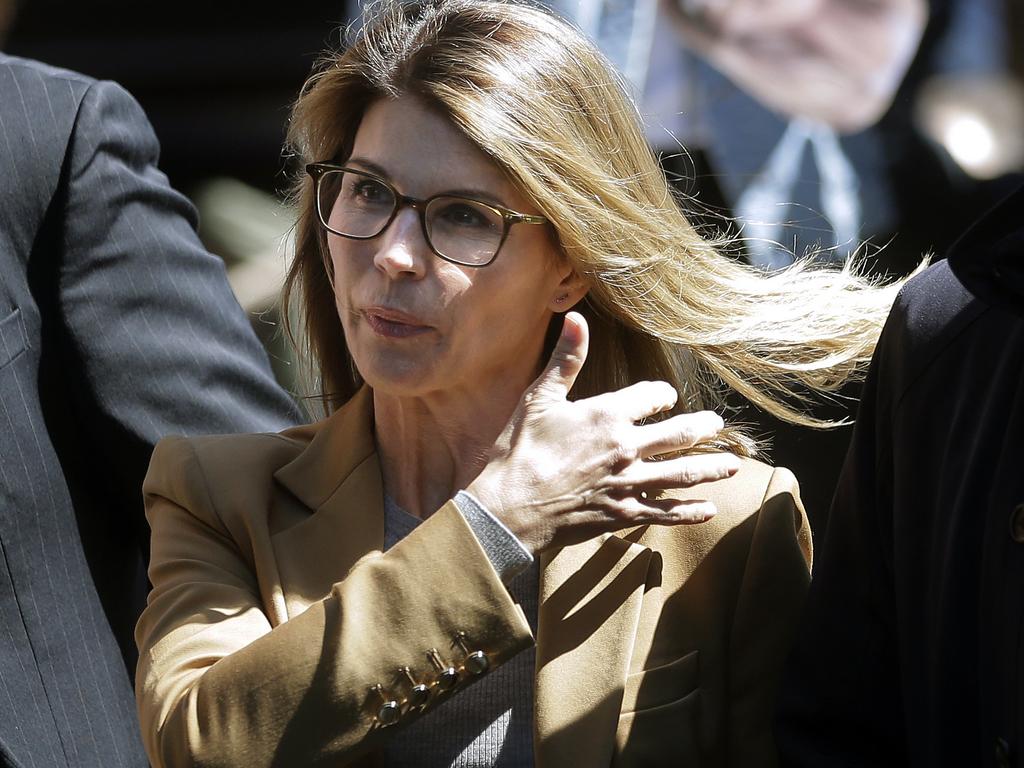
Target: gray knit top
[490, 723]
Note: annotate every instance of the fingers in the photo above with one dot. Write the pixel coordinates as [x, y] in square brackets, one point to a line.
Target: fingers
[638, 401]
[565, 362]
[682, 472]
[669, 511]
[634, 511]
[677, 433]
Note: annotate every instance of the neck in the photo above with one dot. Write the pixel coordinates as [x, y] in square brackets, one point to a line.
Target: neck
[432, 446]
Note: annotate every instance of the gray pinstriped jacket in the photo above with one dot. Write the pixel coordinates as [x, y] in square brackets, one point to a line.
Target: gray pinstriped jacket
[116, 328]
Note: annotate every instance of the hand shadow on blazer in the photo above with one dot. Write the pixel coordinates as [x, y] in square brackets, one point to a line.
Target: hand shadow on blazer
[667, 723]
[307, 729]
[564, 631]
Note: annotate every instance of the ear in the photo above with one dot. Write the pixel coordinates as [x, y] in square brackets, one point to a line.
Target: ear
[569, 291]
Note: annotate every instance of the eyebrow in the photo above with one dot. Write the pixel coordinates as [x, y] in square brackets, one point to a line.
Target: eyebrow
[474, 194]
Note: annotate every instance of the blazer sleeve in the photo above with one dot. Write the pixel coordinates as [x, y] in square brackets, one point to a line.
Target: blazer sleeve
[147, 337]
[217, 684]
[772, 592]
[157, 340]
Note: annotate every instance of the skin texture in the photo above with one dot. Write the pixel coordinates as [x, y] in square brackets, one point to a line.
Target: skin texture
[453, 355]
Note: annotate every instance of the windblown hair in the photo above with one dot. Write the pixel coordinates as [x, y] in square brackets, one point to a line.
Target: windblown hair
[543, 103]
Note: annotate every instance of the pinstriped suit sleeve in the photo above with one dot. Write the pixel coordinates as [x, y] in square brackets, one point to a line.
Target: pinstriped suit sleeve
[155, 342]
[163, 343]
[116, 328]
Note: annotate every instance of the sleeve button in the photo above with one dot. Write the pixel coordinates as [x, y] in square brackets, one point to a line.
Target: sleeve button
[447, 675]
[476, 662]
[389, 711]
[419, 694]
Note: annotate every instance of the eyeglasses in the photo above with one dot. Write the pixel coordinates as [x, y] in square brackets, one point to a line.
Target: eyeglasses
[360, 206]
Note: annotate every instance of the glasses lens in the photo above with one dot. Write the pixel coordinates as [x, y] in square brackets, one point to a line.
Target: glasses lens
[464, 230]
[354, 204]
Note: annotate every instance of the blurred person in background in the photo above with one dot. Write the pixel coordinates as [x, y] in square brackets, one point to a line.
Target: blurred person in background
[116, 329]
[462, 565]
[911, 649]
[823, 127]
[803, 116]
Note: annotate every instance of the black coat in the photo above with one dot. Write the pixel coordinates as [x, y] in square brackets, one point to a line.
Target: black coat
[116, 328]
[911, 651]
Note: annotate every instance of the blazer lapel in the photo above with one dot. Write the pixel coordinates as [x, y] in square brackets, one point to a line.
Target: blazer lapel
[590, 598]
[590, 594]
[337, 476]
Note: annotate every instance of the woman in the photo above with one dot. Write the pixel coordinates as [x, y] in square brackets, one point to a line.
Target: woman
[330, 594]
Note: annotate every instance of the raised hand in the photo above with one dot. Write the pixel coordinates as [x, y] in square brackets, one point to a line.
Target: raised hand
[566, 471]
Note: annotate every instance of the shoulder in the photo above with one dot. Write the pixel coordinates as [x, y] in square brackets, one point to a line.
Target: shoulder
[48, 98]
[47, 105]
[743, 494]
[931, 305]
[30, 79]
[65, 117]
[759, 502]
[40, 109]
[35, 74]
[762, 498]
[183, 468]
[51, 95]
[933, 321]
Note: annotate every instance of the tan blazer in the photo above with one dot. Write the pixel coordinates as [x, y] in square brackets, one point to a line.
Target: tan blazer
[274, 612]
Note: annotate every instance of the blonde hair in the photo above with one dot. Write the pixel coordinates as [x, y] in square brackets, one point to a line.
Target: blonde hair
[539, 99]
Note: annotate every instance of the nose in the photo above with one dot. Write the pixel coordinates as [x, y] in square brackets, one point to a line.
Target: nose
[403, 250]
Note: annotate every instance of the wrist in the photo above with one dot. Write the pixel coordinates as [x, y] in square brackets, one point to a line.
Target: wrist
[489, 489]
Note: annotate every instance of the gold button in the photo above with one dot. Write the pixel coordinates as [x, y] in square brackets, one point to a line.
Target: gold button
[389, 711]
[1017, 524]
[447, 675]
[419, 694]
[476, 662]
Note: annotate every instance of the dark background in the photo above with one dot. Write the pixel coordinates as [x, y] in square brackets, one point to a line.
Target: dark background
[215, 78]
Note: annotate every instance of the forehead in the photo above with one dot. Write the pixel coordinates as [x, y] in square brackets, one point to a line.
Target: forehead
[423, 153]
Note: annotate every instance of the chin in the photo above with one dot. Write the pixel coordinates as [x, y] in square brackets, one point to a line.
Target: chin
[401, 380]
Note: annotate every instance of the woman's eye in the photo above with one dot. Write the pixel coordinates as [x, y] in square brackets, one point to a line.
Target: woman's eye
[464, 215]
[370, 191]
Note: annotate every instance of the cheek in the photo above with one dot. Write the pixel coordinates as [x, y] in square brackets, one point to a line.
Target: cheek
[338, 256]
[345, 268]
[509, 311]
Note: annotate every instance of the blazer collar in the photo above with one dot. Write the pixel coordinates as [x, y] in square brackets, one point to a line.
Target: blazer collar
[337, 476]
[341, 443]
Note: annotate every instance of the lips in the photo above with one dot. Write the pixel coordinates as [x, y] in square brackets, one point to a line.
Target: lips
[394, 324]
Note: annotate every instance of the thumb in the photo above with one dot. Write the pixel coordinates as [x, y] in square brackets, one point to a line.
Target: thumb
[566, 360]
